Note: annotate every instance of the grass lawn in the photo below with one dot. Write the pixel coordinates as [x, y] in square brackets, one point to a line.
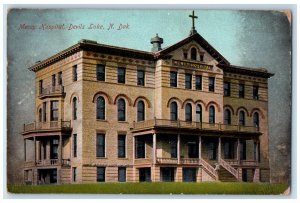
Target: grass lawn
[154, 188]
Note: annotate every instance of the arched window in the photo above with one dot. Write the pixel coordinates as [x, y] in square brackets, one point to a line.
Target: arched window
[256, 119]
[121, 110]
[74, 108]
[174, 111]
[199, 113]
[40, 115]
[193, 53]
[227, 117]
[188, 112]
[242, 118]
[140, 111]
[211, 114]
[100, 108]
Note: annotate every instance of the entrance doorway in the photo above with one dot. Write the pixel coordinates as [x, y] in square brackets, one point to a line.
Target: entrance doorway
[145, 174]
[189, 174]
[167, 174]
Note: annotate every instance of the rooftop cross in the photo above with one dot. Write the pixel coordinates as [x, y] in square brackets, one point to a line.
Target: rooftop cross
[193, 30]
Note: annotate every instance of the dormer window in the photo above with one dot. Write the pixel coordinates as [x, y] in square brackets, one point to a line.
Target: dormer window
[193, 53]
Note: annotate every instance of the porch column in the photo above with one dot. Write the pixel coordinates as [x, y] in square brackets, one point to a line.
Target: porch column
[154, 149]
[178, 148]
[238, 151]
[219, 150]
[24, 149]
[200, 147]
[34, 140]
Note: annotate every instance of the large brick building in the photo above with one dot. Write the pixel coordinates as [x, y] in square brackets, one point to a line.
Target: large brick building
[182, 113]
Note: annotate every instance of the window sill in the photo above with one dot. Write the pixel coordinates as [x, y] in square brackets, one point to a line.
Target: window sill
[123, 158]
[123, 122]
[100, 120]
[101, 157]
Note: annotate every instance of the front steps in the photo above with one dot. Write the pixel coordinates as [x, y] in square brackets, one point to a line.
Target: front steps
[226, 176]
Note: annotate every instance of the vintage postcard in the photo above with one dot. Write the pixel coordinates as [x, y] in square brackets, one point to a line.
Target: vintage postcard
[131, 101]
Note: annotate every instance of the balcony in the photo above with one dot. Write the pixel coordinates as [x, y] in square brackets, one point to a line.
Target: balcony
[47, 126]
[47, 163]
[52, 91]
[192, 125]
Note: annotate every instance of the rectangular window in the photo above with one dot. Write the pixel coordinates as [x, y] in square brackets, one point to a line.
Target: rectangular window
[74, 174]
[241, 90]
[227, 89]
[59, 78]
[45, 111]
[75, 145]
[100, 145]
[198, 82]
[173, 79]
[188, 81]
[211, 85]
[212, 151]
[121, 75]
[100, 72]
[141, 77]
[54, 111]
[122, 174]
[255, 92]
[41, 87]
[100, 174]
[140, 148]
[173, 148]
[54, 149]
[75, 73]
[121, 146]
[53, 80]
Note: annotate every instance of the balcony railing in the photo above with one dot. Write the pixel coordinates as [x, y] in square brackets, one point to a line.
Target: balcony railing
[52, 90]
[64, 125]
[47, 162]
[192, 125]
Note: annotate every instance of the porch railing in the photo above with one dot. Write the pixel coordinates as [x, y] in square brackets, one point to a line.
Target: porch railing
[47, 125]
[190, 161]
[229, 168]
[161, 160]
[248, 162]
[192, 125]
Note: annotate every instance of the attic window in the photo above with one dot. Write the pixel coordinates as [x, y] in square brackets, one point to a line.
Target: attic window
[193, 53]
[185, 55]
[201, 57]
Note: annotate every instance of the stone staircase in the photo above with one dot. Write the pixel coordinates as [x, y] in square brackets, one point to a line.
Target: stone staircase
[226, 176]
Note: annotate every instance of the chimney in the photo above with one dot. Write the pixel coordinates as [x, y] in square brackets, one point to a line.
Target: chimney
[156, 41]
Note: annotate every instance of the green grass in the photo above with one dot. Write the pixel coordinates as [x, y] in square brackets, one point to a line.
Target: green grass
[154, 188]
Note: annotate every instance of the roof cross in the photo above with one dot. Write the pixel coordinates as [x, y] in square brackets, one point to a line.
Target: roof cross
[193, 30]
[193, 18]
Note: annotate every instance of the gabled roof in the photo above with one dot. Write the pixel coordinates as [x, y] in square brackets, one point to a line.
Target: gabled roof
[202, 42]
